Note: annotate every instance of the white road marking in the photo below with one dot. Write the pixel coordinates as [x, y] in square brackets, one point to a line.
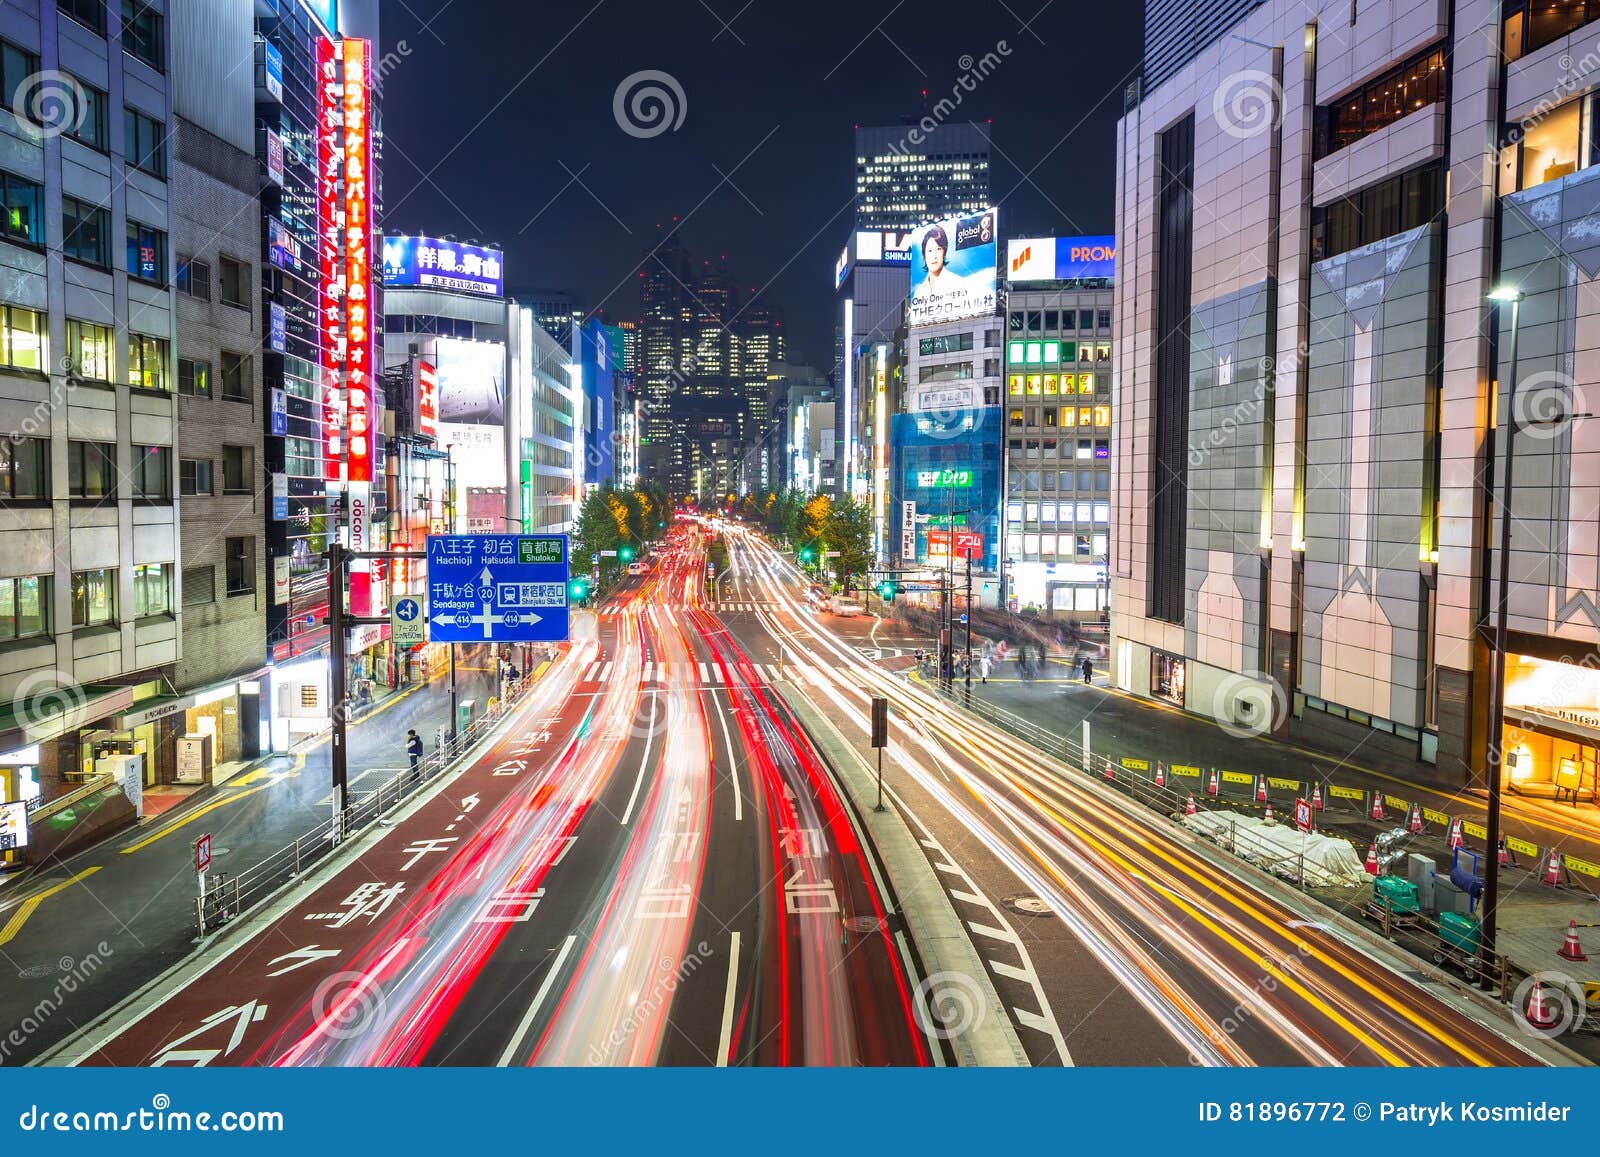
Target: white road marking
[1026, 975]
[725, 1040]
[968, 897]
[733, 769]
[992, 932]
[649, 738]
[538, 999]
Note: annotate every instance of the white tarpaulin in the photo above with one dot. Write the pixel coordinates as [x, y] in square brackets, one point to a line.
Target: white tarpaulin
[1282, 848]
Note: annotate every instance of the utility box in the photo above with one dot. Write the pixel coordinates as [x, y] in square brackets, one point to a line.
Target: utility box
[1397, 895]
[1450, 898]
[465, 710]
[1421, 872]
[1459, 932]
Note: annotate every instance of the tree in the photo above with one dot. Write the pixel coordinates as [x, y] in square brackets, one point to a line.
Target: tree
[847, 528]
[814, 516]
[597, 528]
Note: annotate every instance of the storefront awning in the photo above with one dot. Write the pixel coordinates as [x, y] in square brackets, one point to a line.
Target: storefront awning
[49, 712]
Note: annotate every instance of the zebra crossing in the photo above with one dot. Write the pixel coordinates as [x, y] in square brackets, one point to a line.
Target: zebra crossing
[706, 674]
[744, 606]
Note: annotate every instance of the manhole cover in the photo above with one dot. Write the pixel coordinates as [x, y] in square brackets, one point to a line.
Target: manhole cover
[863, 923]
[1028, 905]
[35, 972]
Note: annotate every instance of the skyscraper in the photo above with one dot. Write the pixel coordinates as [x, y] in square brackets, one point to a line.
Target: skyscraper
[907, 175]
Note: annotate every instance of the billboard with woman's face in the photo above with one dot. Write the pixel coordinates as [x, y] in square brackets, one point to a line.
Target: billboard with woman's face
[953, 268]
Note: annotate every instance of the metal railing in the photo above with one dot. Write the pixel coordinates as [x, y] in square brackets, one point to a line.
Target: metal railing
[228, 895]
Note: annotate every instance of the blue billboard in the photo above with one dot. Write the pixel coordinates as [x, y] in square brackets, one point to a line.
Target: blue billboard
[945, 471]
[1061, 258]
[432, 263]
[497, 588]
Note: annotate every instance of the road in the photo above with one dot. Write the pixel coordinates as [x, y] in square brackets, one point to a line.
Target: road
[646, 864]
[1110, 936]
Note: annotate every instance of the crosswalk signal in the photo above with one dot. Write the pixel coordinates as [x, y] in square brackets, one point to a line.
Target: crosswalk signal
[807, 554]
[577, 589]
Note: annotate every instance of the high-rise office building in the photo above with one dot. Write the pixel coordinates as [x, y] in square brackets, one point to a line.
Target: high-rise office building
[907, 175]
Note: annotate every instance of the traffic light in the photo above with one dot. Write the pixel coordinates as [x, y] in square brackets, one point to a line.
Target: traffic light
[807, 554]
[625, 553]
[577, 589]
[887, 590]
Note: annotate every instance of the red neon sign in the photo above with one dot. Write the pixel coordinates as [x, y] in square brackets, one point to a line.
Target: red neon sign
[357, 260]
[330, 286]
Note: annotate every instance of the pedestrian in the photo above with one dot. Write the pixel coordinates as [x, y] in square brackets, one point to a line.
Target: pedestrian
[414, 747]
[983, 667]
[1088, 669]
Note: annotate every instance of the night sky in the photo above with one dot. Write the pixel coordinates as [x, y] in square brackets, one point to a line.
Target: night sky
[499, 126]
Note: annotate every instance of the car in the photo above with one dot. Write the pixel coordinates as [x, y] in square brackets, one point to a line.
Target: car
[636, 568]
[843, 607]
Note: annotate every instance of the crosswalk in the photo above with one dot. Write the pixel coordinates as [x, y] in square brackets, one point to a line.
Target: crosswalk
[705, 674]
[736, 606]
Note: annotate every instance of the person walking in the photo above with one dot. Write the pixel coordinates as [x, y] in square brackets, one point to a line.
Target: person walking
[983, 667]
[414, 747]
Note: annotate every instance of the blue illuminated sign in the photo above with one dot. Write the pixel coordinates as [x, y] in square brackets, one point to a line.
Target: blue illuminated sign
[274, 70]
[497, 588]
[429, 263]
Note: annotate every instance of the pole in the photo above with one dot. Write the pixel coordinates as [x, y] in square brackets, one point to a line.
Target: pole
[454, 711]
[879, 805]
[969, 628]
[1497, 682]
[338, 692]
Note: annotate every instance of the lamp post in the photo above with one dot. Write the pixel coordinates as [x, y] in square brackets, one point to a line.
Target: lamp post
[1497, 680]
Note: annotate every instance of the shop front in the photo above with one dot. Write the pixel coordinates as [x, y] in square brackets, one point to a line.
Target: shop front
[1167, 674]
[1551, 735]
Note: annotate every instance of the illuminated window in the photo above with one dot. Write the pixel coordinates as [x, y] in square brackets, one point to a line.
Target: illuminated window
[1035, 385]
[1016, 417]
[1051, 386]
[1069, 383]
[94, 598]
[1015, 385]
[1085, 415]
[23, 203]
[147, 361]
[90, 349]
[152, 590]
[1035, 353]
[1014, 351]
[1102, 416]
[22, 334]
[1086, 383]
[1052, 351]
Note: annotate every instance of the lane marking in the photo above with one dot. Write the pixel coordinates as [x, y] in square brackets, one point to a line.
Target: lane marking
[649, 740]
[733, 767]
[970, 898]
[1025, 975]
[538, 1000]
[31, 904]
[725, 1039]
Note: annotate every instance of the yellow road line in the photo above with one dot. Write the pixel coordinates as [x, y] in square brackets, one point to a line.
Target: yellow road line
[27, 907]
[231, 797]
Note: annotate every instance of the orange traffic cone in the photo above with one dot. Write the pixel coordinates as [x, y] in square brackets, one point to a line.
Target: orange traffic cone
[1316, 797]
[1455, 834]
[1267, 815]
[1189, 809]
[1570, 948]
[1377, 806]
[1552, 870]
[1111, 771]
[1414, 820]
[1261, 789]
[1161, 776]
[1504, 856]
[1539, 1016]
[1372, 858]
[1211, 784]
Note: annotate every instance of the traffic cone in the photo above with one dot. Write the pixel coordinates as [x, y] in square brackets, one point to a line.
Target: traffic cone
[1211, 784]
[1455, 834]
[1161, 776]
[1377, 807]
[1111, 771]
[1189, 809]
[1414, 820]
[1570, 948]
[1316, 797]
[1261, 789]
[1267, 815]
[1504, 856]
[1372, 858]
[1552, 870]
[1539, 1016]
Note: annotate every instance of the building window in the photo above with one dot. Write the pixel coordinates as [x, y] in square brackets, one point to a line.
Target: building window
[16, 66]
[194, 476]
[145, 142]
[143, 36]
[235, 281]
[194, 278]
[92, 470]
[152, 473]
[1531, 24]
[241, 566]
[152, 589]
[236, 377]
[85, 232]
[89, 125]
[199, 586]
[94, 598]
[194, 377]
[1405, 201]
[23, 202]
[24, 608]
[302, 457]
[89, 13]
[90, 350]
[1377, 104]
[147, 361]
[238, 464]
[24, 469]
[147, 253]
[1557, 142]
[22, 334]
[1103, 319]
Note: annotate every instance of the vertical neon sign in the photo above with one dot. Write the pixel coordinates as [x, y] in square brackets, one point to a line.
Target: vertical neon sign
[358, 330]
[330, 290]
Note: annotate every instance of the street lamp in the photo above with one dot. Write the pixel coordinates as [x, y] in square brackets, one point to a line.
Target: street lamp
[1501, 295]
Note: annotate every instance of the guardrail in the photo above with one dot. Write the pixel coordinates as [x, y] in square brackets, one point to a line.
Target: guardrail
[1417, 932]
[229, 894]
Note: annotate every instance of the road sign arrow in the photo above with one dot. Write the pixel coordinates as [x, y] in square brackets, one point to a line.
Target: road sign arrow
[470, 802]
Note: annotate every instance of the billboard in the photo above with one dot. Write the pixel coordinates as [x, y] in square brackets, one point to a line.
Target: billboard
[471, 381]
[953, 268]
[1060, 258]
[430, 263]
[425, 398]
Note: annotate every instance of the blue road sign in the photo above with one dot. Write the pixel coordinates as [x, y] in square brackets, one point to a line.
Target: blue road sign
[497, 588]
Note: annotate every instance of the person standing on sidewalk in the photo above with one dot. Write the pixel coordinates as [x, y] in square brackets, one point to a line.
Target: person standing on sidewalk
[414, 748]
[1088, 669]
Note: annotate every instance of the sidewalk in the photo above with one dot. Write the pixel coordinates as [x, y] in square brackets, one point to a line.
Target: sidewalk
[82, 934]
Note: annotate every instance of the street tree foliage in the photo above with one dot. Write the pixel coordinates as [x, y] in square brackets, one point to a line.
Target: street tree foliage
[847, 528]
[611, 519]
